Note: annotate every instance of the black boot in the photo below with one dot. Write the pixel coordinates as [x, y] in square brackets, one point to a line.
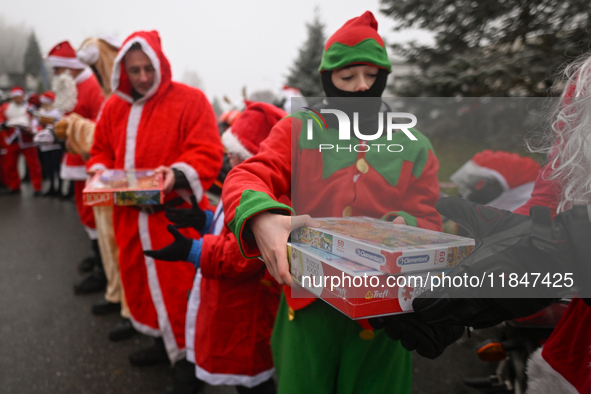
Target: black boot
[92, 283]
[267, 387]
[105, 307]
[88, 264]
[122, 330]
[155, 354]
[185, 381]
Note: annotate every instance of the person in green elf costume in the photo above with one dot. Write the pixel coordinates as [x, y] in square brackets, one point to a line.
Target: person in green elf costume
[316, 349]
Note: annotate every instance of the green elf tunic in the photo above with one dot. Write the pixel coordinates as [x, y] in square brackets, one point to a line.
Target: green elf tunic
[317, 349]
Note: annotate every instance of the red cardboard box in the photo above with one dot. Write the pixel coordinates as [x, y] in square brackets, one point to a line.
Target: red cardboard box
[357, 291]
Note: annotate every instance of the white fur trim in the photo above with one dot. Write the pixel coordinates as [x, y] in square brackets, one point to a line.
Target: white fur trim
[97, 167]
[144, 329]
[191, 320]
[216, 379]
[193, 178]
[73, 173]
[115, 78]
[234, 146]
[543, 379]
[83, 76]
[67, 62]
[45, 100]
[88, 54]
[111, 40]
[174, 353]
[133, 122]
[92, 233]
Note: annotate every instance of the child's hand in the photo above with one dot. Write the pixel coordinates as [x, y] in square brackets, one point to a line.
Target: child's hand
[176, 251]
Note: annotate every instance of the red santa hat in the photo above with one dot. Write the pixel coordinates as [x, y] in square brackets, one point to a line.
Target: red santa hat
[17, 91]
[251, 128]
[63, 55]
[47, 98]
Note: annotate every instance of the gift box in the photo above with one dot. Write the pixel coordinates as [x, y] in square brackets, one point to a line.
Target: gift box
[387, 247]
[357, 291]
[123, 187]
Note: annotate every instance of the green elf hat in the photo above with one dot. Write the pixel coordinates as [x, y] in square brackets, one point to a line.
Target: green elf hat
[357, 42]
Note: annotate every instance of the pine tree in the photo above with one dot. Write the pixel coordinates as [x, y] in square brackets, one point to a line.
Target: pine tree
[33, 58]
[304, 73]
[490, 47]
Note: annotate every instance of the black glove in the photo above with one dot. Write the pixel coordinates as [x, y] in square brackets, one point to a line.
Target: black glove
[505, 243]
[176, 251]
[414, 334]
[187, 217]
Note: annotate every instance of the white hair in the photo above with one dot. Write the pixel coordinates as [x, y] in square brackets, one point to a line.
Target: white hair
[568, 142]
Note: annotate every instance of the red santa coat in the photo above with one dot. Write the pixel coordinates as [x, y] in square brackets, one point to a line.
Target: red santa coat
[172, 125]
[563, 365]
[231, 313]
[90, 100]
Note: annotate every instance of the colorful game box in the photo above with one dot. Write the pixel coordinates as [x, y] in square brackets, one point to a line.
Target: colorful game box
[387, 247]
[123, 187]
[357, 291]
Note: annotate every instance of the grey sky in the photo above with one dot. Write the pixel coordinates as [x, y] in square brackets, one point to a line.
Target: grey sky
[230, 44]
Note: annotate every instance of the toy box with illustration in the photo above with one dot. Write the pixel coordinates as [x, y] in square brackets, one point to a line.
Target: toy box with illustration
[357, 291]
[123, 187]
[391, 248]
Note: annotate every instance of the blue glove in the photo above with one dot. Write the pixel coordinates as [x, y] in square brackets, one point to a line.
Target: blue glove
[195, 253]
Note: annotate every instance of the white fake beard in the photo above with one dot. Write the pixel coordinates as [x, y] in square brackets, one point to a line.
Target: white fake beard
[66, 94]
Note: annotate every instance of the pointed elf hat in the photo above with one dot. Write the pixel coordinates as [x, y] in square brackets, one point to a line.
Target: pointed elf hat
[357, 42]
[63, 55]
[251, 128]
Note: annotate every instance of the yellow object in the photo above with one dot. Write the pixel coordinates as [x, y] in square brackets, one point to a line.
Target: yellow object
[348, 211]
[362, 166]
[266, 282]
[290, 314]
[366, 335]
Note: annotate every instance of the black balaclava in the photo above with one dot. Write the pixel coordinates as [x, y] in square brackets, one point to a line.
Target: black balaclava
[367, 103]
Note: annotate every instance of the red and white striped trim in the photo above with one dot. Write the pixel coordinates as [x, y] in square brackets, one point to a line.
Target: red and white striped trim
[216, 379]
[174, 353]
[115, 78]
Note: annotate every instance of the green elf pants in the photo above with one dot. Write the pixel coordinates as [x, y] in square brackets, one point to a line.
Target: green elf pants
[322, 351]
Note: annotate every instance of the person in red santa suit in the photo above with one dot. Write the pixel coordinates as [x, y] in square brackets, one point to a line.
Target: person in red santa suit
[230, 293]
[16, 138]
[152, 122]
[77, 91]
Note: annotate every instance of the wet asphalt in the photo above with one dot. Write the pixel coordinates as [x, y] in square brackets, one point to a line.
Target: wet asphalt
[51, 343]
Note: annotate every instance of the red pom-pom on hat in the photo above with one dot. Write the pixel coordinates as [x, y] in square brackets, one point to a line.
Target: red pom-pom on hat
[251, 128]
[63, 55]
[356, 30]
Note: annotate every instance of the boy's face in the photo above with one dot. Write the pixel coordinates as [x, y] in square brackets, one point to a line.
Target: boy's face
[355, 79]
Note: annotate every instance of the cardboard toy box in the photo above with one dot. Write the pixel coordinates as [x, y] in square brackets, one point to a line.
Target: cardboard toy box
[391, 248]
[123, 187]
[357, 295]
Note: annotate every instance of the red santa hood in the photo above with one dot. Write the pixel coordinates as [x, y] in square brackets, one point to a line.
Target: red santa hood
[150, 43]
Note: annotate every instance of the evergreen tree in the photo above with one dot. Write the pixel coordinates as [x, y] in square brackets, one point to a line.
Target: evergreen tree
[33, 58]
[490, 47]
[304, 73]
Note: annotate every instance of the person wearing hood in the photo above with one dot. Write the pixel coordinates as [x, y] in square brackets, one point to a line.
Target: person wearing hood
[152, 122]
[316, 349]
